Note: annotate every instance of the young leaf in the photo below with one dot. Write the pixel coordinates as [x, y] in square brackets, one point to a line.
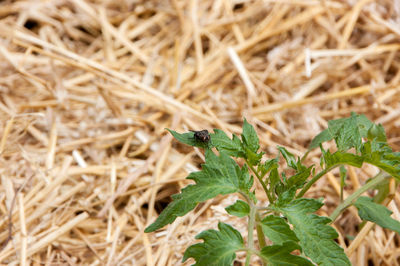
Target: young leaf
[249, 137]
[189, 139]
[274, 180]
[377, 132]
[374, 212]
[289, 158]
[348, 135]
[302, 172]
[316, 237]
[252, 157]
[239, 209]
[220, 175]
[363, 123]
[247, 148]
[277, 230]
[347, 132]
[279, 255]
[218, 248]
[352, 128]
[232, 147]
[251, 144]
[299, 178]
[267, 166]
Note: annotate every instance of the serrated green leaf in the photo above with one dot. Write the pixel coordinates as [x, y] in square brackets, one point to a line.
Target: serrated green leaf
[277, 230]
[251, 144]
[299, 178]
[220, 175]
[239, 209]
[316, 237]
[286, 196]
[302, 172]
[267, 166]
[188, 138]
[381, 155]
[360, 121]
[341, 157]
[388, 168]
[279, 255]
[223, 143]
[376, 213]
[320, 138]
[252, 157]
[249, 137]
[394, 157]
[289, 158]
[348, 135]
[218, 248]
[347, 132]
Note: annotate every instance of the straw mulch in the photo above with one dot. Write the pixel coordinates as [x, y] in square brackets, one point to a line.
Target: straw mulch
[88, 88]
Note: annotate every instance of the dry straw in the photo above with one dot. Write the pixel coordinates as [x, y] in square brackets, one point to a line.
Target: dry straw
[87, 88]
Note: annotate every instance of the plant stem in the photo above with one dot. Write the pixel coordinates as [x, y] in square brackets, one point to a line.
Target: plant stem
[313, 180]
[260, 233]
[250, 241]
[349, 200]
[261, 181]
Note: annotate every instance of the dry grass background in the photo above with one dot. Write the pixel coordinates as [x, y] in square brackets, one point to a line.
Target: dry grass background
[87, 88]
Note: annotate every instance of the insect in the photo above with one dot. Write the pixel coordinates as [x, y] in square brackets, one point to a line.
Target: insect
[201, 136]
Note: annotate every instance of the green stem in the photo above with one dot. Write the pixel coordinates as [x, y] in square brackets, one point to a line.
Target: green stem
[260, 233]
[261, 181]
[349, 200]
[313, 180]
[250, 241]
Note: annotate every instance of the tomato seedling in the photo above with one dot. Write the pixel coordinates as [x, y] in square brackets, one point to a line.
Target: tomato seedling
[288, 220]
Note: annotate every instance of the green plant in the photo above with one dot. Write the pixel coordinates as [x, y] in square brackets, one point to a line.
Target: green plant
[288, 221]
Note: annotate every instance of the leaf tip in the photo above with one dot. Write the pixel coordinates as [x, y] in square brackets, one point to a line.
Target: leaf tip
[149, 229]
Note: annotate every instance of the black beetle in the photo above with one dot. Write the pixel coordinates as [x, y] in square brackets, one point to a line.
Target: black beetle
[201, 136]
